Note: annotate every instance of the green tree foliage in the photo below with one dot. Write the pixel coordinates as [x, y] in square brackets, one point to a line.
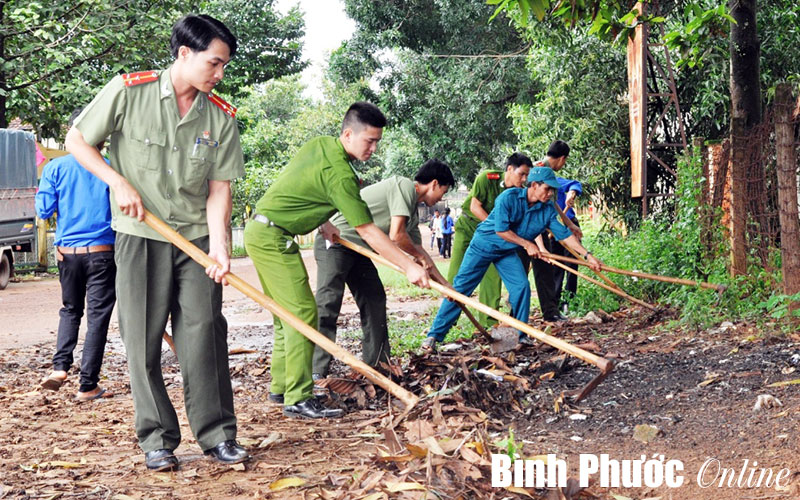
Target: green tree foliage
[438, 79]
[269, 44]
[54, 56]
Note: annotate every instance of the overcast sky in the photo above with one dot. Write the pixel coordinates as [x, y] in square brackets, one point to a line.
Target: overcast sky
[326, 27]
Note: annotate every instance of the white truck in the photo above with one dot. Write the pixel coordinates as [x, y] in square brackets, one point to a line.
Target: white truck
[17, 192]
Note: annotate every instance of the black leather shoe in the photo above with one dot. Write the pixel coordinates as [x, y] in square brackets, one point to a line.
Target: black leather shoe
[158, 460]
[228, 452]
[311, 408]
[276, 398]
[555, 319]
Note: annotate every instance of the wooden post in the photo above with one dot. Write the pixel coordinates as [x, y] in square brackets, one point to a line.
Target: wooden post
[787, 191]
[738, 197]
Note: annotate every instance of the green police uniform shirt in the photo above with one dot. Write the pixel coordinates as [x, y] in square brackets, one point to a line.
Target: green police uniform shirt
[316, 183]
[486, 188]
[392, 197]
[167, 159]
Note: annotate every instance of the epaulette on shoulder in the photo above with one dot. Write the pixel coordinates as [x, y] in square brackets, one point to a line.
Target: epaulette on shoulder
[221, 104]
[139, 78]
[492, 176]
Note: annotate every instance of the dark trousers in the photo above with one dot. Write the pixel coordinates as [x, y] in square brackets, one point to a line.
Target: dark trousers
[543, 279]
[336, 267]
[85, 278]
[447, 239]
[571, 287]
[158, 281]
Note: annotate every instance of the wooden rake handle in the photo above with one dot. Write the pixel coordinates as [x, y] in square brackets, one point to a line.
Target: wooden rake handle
[603, 285]
[409, 399]
[575, 254]
[638, 274]
[602, 363]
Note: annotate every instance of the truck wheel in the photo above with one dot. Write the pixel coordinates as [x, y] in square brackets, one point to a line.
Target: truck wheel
[5, 271]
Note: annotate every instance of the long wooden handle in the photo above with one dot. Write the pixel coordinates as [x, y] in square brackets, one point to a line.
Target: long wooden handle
[409, 399]
[638, 274]
[602, 363]
[602, 276]
[603, 285]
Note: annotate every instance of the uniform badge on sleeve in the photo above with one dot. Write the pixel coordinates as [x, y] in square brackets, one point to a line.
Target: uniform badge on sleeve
[493, 176]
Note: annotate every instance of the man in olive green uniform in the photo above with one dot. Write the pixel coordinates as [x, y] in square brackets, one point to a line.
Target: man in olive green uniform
[393, 204]
[174, 150]
[486, 188]
[317, 182]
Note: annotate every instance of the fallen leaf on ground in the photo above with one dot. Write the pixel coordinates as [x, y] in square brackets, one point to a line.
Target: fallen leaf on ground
[785, 382]
[645, 433]
[287, 482]
[403, 486]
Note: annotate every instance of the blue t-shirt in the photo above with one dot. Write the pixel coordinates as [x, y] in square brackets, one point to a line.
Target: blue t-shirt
[81, 201]
[447, 225]
[511, 212]
[561, 197]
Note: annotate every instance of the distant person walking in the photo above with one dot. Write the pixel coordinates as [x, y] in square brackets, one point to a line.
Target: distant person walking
[86, 270]
[447, 234]
[432, 226]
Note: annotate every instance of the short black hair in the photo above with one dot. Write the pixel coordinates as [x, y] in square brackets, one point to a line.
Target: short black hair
[517, 160]
[435, 170]
[447, 211]
[197, 32]
[363, 113]
[75, 114]
[558, 149]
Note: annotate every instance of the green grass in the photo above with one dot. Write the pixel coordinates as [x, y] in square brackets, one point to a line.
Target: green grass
[397, 284]
[407, 335]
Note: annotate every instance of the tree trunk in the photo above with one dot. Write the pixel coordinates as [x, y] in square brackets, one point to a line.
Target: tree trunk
[787, 191]
[745, 114]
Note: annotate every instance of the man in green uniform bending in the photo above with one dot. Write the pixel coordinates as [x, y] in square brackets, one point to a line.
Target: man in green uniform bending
[486, 188]
[174, 150]
[393, 204]
[316, 183]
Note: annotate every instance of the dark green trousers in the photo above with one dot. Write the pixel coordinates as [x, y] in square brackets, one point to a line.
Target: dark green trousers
[491, 285]
[336, 267]
[156, 280]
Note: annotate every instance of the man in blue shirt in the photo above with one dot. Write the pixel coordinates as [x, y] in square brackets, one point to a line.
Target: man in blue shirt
[86, 270]
[447, 234]
[549, 279]
[519, 215]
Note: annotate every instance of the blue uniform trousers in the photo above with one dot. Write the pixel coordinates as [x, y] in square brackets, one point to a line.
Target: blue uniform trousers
[469, 276]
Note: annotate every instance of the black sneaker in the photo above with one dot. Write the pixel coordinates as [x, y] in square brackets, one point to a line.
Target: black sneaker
[311, 408]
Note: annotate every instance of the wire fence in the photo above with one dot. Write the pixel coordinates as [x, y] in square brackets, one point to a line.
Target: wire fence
[760, 181]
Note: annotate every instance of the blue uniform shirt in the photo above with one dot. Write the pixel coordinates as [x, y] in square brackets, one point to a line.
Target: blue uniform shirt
[511, 212]
[81, 201]
[561, 197]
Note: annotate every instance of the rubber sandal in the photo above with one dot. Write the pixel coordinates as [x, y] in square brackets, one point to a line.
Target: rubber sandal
[83, 399]
[52, 383]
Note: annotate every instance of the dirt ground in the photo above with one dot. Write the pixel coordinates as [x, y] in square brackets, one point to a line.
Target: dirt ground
[686, 395]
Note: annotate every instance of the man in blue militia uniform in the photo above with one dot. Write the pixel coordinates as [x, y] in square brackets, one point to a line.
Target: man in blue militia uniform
[86, 270]
[519, 215]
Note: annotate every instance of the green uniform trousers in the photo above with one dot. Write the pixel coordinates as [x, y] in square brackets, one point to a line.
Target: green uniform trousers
[284, 278]
[156, 280]
[337, 266]
[490, 287]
